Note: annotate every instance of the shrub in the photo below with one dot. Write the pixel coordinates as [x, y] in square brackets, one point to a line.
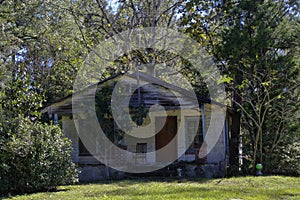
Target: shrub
[288, 161]
[34, 157]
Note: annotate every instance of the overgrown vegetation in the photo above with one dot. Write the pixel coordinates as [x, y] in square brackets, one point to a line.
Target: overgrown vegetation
[256, 46]
[44, 43]
[33, 157]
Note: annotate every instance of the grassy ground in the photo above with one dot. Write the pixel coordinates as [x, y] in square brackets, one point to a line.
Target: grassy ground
[271, 187]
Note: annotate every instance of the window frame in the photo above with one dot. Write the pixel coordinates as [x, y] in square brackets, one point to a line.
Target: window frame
[192, 149]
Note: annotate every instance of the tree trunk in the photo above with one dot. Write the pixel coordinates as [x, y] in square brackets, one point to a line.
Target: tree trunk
[234, 164]
[234, 144]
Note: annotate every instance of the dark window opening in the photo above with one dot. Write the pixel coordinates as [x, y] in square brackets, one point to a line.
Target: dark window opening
[83, 150]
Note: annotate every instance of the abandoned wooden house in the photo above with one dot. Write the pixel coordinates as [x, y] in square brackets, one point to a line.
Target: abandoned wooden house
[177, 116]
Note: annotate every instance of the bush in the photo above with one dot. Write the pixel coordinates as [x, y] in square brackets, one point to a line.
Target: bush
[34, 157]
[288, 162]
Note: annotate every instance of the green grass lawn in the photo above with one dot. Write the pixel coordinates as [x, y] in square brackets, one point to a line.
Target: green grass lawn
[270, 187]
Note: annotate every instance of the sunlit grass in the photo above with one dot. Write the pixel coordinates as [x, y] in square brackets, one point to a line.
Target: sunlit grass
[271, 187]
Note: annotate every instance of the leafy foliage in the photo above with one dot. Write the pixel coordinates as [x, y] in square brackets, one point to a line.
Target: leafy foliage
[33, 156]
[256, 45]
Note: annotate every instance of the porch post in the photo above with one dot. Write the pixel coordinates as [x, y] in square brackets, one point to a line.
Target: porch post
[55, 120]
[226, 135]
[203, 119]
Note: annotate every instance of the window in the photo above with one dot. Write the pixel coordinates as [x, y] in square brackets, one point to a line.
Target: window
[193, 125]
[82, 149]
[141, 149]
[117, 137]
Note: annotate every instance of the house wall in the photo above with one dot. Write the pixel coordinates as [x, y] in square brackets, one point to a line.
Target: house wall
[91, 169]
[131, 142]
[71, 132]
[217, 154]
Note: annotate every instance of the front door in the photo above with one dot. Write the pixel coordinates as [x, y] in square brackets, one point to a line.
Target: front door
[164, 137]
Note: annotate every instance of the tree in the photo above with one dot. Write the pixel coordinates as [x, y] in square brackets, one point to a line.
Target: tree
[98, 20]
[34, 156]
[42, 36]
[255, 44]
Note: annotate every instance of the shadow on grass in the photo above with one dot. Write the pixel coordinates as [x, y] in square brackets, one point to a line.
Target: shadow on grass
[120, 183]
[123, 189]
[140, 180]
[178, 188]
[13, 194]
[211, 192]
[138, 193]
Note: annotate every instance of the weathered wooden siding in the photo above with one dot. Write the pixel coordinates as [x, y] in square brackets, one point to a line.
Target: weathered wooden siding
[71, 132]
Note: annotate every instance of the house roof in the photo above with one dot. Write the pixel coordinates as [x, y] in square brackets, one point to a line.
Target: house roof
[64, 105]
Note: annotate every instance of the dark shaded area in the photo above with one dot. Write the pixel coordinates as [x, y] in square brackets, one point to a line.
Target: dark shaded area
[12, 194]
